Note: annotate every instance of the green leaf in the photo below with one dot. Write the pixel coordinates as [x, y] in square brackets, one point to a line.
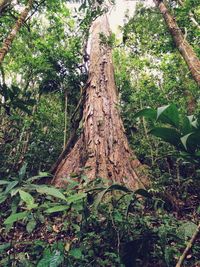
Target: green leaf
[117, 216]
[193, 121]
[56, 209]
[186, 126]
[169, 135]
[186, 230]
[160, 110]
[56, 259]
[76, 253]
[44, 262]
[184, 140]
[2, 198]
[4, 246]
[72, 184]
[76, 197]
[100, 196]
[15, 217]
[3, 182]
[51, 260]
[51, 191]
[14, 191]
[10, 186]
[168, 114]
[39, 176]
[22, 171]
[147, 113]
[191, 141]
[194, 139]
[27, 198]
[31, 225]
[143, 193]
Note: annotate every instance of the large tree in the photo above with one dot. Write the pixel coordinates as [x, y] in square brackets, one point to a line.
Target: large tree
[101, 149]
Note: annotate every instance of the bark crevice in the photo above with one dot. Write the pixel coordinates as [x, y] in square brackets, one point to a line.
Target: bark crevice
[102, 148]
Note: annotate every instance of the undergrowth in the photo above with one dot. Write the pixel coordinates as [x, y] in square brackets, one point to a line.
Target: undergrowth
[92, 224]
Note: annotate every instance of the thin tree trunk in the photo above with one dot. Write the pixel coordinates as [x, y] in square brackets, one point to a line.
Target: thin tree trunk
[102, 148]
[65, 122]
[181, 43]
[11, 36]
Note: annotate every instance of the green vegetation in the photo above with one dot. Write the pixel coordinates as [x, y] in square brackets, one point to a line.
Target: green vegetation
[98, 223]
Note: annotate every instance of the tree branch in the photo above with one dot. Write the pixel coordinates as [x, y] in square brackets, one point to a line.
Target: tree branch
[189, 246]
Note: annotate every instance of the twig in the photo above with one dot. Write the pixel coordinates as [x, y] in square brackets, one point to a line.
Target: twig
[189, 246]
[36, 9]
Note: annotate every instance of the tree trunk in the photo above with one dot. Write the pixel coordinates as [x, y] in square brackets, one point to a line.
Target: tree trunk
[181, 43]
[11, 36]
[102, 148]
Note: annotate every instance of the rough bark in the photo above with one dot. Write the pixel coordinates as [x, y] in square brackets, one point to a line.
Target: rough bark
[102, 148]
[180, 41]
[11, 36]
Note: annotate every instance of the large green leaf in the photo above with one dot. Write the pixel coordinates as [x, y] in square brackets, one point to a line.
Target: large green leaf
[39, 176]
[147, 113]
[160, 110]
[51, 191]
[28, 199]
[186, 126]
[16, 217]
[168, 114]
[56, 209]
[169, 135]
[3, 182]
[44, 262]
[100, 196]
[194, 139]
[142, 192]
[76, 197]
[184, 140]
[56, 259]
[193, 121]
[191, 141]
[10, 186]
[53, 260]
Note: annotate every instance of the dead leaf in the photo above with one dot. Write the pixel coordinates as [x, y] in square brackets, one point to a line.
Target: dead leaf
[55, 229]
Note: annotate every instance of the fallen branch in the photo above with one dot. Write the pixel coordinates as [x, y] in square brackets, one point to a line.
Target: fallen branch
[189, 246]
